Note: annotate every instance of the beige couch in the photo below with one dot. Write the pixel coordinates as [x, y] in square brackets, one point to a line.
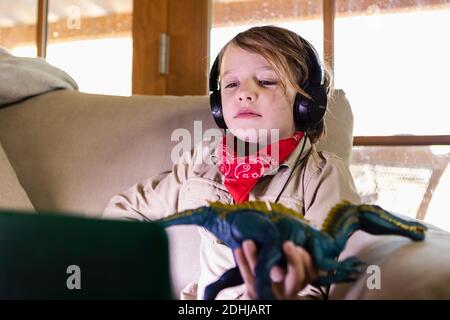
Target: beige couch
[71, 152]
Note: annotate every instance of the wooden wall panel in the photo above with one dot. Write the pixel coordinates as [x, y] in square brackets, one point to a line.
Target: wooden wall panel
[328, 32]
[188, 32]
[401, 140]
[42, 28]
[186, 24]
[149, 21]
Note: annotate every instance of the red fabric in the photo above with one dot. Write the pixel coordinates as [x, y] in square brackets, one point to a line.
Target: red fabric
[242, 173]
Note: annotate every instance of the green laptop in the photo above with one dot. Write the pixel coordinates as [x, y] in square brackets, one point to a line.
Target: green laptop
[48, 256]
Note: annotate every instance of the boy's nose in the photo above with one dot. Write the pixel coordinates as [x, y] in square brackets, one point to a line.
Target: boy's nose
[247, 95]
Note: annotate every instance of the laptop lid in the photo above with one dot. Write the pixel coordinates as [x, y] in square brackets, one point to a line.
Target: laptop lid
[48, 256]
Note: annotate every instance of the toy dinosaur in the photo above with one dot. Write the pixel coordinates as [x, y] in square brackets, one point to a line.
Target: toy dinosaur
[270, 224]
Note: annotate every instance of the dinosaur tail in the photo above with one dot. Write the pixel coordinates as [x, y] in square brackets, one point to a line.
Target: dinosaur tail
[197, 216]
[346, 218]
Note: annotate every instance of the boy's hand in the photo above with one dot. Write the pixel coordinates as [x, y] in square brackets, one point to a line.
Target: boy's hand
[285, 283]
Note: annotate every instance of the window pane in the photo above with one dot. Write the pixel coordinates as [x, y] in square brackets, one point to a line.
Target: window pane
[408, 180]
[91, 41]
[18, 27]
[231, 17]
[391, 58]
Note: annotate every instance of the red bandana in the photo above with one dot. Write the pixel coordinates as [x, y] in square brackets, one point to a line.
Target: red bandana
[242, 173]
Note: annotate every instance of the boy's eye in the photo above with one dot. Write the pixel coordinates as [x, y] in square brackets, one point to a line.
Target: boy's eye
[231, 85]
[262, 82]
[267, 82]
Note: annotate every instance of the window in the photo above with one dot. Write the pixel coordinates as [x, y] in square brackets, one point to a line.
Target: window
[391, 58]
[18, 27]
[392, 64]
[92, 42]
[411, 180]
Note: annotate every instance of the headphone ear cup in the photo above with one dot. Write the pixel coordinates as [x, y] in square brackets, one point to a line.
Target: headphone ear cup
[301, 116]
[216, 109]
[306, 112]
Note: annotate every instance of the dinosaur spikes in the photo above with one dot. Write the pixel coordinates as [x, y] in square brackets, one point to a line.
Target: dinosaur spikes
[330, 222]
[265, 207]
[257, 205]
[282, 209]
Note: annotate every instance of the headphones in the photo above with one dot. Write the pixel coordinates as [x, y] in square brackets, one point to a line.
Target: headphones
[307, 112]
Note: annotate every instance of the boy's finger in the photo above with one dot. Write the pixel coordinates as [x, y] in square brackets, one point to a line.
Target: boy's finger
[246, 273]
[244, 267]
[295, 277]
[278, 290]
[277, 274]
[310, 270]
[251, 254]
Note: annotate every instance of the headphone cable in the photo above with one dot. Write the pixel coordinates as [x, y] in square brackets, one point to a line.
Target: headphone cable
[292, 170]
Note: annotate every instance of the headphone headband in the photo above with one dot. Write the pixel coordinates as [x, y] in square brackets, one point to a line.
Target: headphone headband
[315, 84]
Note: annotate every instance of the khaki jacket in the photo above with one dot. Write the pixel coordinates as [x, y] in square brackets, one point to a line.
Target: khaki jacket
[319, 181]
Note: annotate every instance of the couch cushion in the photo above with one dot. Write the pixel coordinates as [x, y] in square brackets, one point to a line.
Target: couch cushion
[24, 77]
[407, 270]
[338, 120]
[12, 195]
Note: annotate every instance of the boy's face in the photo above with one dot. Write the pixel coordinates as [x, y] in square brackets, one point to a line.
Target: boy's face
[252, 96]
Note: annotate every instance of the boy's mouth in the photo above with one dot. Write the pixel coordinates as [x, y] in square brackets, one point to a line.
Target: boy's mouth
[246, 113]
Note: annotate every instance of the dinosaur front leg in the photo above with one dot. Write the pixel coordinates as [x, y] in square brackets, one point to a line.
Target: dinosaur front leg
[230, 278]
[338, 277]
[321, 260]
[347, 270]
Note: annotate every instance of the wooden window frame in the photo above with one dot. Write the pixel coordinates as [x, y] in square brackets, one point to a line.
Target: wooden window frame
[42, 28]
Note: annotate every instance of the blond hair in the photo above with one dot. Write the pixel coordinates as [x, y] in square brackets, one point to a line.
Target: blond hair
[288, 56]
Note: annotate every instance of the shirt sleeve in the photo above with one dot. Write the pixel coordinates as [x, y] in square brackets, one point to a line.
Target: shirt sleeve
[329, 183]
